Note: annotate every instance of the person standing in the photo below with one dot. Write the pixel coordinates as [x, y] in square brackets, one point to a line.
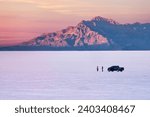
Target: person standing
[102, 68]
[97, 68]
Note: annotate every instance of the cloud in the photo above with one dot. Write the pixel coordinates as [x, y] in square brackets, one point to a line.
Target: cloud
[59, 6]
[23, 1]
[81, 8]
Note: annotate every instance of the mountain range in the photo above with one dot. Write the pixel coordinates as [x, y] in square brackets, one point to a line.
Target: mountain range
[96, 34]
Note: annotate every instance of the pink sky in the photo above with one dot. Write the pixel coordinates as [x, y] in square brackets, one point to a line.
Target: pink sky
[22, 20]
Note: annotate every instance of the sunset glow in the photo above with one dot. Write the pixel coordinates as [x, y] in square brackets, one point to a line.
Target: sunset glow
[22, 20]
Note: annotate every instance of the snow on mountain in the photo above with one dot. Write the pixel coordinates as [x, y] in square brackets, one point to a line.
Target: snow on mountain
[79, 35]
[98, 31]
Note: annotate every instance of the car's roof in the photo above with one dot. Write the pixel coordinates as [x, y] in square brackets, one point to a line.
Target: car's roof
[115, 66]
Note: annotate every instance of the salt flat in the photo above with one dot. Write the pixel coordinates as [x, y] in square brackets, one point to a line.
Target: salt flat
[73, 75]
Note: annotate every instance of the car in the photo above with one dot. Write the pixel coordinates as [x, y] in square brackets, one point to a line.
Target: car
[115, 68]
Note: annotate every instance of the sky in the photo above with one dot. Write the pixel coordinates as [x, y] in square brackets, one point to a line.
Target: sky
[22, 20]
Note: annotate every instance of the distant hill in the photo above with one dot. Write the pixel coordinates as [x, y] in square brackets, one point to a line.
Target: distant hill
[96, 34]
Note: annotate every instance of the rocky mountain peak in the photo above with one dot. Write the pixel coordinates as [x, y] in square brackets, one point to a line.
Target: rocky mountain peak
[98, 32]
[102, 19]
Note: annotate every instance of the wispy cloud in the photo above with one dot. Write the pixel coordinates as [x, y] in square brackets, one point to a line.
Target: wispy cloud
[86, 8]
[59, 6]
[23, 1]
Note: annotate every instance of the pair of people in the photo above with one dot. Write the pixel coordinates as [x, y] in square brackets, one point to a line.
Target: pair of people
[102, 68]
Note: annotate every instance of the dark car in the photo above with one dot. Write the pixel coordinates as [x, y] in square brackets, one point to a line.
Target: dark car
[115, 68]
